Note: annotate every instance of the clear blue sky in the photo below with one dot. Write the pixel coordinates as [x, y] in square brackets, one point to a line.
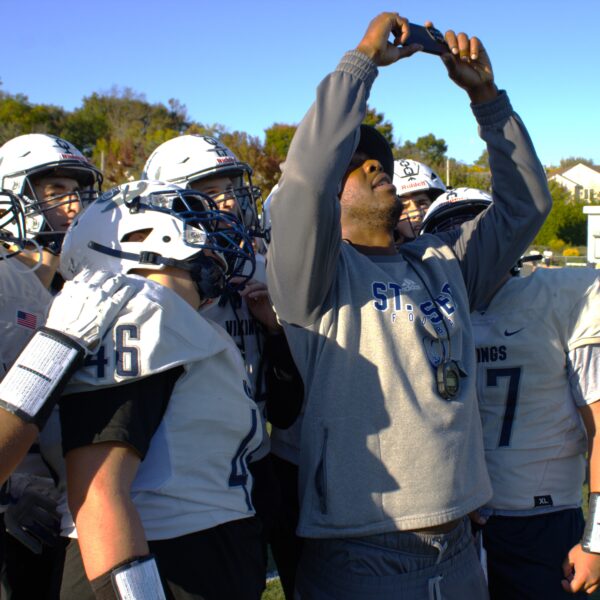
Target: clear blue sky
[248, 64]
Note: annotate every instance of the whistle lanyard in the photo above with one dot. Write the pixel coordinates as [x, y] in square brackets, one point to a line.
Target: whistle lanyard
[448, 371]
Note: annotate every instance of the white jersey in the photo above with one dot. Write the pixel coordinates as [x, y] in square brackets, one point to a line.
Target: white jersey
[194, 475]
[534, 439]
[245, 330]
[24, 304]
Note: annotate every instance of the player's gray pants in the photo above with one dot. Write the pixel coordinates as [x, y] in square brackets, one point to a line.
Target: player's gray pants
[390, 566]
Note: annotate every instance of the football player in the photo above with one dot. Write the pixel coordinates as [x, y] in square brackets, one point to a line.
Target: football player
[52, 181]
[205, 164]
[30, 389]
[391, 453]
[417, 186]
[538, 359]
[160, 423]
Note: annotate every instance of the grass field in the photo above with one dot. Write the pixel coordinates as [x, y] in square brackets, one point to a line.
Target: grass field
[273, 591]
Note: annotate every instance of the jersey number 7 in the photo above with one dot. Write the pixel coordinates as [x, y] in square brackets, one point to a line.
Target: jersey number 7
[514, 377]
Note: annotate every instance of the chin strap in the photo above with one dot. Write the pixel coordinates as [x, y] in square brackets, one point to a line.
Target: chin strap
[208, 276]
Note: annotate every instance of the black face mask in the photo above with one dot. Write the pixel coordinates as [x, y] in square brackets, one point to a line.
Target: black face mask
[208, 276]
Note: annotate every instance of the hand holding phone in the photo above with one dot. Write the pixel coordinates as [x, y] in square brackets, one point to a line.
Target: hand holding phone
[430, 38]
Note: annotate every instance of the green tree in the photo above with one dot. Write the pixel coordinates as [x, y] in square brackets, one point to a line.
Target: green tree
[18, 116]
[571, 161]
[278, 138]
[566, 221]
[119, 129]
[377, 120]
[432, 149]
[427, 149]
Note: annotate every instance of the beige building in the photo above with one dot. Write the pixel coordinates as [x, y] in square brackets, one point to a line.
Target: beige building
[582, 181]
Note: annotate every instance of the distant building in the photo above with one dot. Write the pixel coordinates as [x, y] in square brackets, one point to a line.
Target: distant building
[582, 181]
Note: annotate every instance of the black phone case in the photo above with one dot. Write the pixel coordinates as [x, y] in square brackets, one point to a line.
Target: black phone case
[429, 37]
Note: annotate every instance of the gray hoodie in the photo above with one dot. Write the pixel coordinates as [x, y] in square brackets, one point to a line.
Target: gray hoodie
[381, 450]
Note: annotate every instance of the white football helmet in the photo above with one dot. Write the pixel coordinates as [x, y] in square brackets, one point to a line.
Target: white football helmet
[190, 158]
[453, 208]
[12, 224]
[417, 186]
[265, 218]
[150, 225]
[25, 158]
[411, 176]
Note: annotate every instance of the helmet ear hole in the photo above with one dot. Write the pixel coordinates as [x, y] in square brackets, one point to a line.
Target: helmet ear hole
[137, 236]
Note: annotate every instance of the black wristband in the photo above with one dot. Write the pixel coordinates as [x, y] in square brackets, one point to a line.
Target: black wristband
[33, 384]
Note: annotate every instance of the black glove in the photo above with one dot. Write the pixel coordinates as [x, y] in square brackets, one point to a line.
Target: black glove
[32, 517]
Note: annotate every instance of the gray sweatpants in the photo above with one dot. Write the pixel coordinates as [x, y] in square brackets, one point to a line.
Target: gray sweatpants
[390, 566]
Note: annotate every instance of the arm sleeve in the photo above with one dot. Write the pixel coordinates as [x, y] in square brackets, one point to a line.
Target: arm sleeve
[583, 366]
[490, 245]
[305, 213]
[128, 414]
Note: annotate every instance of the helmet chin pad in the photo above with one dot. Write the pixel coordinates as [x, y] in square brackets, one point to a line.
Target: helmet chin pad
[208, 275]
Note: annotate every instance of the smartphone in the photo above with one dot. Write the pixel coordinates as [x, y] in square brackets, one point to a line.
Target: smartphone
[430, 38]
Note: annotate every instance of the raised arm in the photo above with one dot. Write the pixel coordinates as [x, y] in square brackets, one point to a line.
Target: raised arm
[305, 214]
[489, 246]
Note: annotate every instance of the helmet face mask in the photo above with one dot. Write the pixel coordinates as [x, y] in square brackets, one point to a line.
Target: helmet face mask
[414, 208]
[455, 207]
[148, 225]
[12, 224]
[417, 186]
[197, 162]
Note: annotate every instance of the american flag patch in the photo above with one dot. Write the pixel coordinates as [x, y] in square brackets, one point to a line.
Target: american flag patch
[26, 319]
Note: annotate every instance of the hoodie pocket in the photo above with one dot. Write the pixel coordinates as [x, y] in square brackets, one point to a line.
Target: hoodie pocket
[321, 475]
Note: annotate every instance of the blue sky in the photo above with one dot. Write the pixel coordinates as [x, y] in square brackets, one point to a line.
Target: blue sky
[251, 64]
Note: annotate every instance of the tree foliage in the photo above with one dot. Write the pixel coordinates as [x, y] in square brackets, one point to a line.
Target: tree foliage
[18, 116]
[427, 149]
[377, 120]
[571, 161]
[118, 130]
[565, 222]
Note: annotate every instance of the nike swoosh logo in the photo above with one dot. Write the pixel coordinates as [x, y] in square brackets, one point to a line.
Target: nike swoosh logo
[508, 333]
